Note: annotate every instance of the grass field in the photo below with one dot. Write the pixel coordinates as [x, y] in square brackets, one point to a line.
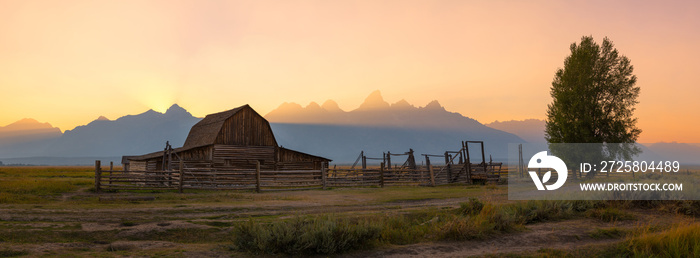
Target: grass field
[53, 211]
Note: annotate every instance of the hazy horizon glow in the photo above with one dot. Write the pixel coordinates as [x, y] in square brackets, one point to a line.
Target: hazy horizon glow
[68, 62]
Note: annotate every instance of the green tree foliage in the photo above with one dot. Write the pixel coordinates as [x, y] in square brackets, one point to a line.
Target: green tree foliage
[593, 101]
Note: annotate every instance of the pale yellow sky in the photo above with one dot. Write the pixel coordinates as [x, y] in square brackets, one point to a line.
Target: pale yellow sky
[68, 62]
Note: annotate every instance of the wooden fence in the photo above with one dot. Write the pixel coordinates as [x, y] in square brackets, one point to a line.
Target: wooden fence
[263, 180]
[210, 179]
[380, 177]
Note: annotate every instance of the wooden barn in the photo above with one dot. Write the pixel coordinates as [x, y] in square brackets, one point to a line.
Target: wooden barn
[233, 139]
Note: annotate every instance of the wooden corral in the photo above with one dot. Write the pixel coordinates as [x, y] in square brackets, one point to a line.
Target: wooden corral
[458, 165]
[263, 168]
[270, 180]
[233, 139]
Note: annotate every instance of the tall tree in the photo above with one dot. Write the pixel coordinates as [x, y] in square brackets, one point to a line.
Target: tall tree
[593, 101]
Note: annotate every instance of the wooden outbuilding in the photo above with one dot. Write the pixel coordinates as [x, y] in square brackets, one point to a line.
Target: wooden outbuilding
[233, 139]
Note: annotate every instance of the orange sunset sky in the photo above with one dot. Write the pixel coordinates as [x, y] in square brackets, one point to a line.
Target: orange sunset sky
[68, 62]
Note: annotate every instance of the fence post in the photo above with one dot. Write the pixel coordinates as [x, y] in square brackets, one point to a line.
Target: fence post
[483, 157]
[521, 167]
[364, 162]
[381, 175]
[432, 175]
[98, 175]
[323, 174]
[430, 170]
[388, 160]
[111, 167]
[180, 188]
[449, 168]
[469, 163]
[257, 176]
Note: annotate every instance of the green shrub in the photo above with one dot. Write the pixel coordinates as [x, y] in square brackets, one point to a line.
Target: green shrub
[411, 227]
[472, 207]
[484, 220]
[490, 220]
[321, 235]
[690, 208]
[474, 219]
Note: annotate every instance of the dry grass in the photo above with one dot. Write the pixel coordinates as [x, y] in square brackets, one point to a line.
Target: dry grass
[682, 240]
[31, 185]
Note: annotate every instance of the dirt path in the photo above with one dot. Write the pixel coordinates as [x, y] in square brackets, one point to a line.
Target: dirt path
[290, 208]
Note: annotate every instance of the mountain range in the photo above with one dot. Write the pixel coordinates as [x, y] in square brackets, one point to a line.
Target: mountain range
[374, 111]
[325, 130]
[375, 127]
[131, 134]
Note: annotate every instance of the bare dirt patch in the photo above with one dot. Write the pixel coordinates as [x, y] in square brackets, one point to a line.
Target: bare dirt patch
[138, 228]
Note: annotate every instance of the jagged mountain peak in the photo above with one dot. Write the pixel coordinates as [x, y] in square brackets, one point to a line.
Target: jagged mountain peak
[148, 112]
[434, 105]
[313, 106]
[374, 101]
[331, 106]
[374, 111]
[402, 105]
[176, 109]
[284, 110]
[102, 118]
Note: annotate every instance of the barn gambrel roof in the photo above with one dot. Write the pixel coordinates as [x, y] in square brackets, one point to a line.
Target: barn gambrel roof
[205, 131]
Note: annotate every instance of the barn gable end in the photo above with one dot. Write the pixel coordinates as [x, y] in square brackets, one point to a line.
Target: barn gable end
[246, 128]
[240, 126]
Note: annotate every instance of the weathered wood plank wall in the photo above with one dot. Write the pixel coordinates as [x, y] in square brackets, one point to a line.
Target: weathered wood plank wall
[246, 128]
